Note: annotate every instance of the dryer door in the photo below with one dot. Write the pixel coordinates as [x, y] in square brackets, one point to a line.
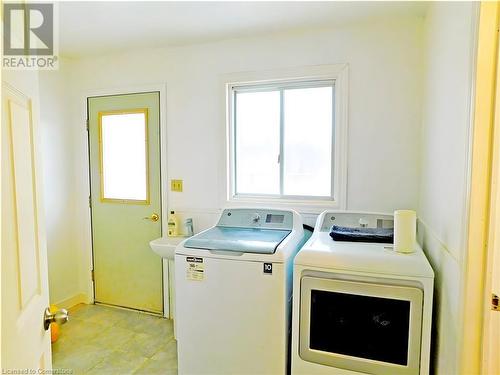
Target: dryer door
[365, 327]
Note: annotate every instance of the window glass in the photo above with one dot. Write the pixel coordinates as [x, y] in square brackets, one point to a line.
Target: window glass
[123, 153]
[257, 142]
[307, 139]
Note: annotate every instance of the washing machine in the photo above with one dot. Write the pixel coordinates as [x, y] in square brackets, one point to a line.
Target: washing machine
[233, 293]
[360, 307]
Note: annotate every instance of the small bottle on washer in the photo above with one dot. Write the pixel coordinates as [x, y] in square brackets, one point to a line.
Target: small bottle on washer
[188, 227]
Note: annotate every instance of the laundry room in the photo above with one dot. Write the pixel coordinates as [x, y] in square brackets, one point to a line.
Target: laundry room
[239, 187]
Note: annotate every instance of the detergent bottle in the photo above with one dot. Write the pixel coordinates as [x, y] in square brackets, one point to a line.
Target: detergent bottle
[173, 224]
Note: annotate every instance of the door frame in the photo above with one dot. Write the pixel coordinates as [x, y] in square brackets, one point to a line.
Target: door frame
[489, 349]
[476, 285]
[84, 190]
[492, 240]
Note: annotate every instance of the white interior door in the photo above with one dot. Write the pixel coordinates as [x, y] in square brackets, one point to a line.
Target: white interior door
[25, 344]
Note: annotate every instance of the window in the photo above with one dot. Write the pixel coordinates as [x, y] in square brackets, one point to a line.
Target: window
[283, 140]
[123, 152]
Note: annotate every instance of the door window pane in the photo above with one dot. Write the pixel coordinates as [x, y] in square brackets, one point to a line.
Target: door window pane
[307, 141]
[257, 146]
[360, 326]
[123, 153]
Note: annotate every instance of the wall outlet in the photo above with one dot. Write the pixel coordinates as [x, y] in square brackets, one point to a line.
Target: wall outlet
[176, 185]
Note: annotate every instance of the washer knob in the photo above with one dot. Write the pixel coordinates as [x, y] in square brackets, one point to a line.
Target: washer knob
[255, 218]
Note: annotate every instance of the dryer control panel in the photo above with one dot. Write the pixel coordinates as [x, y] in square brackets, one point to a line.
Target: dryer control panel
[356, 220]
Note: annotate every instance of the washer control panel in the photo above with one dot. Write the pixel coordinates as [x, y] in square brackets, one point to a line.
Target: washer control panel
[256, 218]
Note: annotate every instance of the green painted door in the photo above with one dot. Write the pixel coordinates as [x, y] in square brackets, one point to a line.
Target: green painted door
[124, 144]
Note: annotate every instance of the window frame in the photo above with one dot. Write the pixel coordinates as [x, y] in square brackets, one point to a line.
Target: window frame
[290, 78]
[281, 87]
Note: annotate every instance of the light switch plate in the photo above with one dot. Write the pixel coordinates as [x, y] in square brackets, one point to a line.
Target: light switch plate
[176, 185]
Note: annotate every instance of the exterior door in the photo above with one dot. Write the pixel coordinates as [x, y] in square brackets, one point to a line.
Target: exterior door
[124, 144]
[25, 342]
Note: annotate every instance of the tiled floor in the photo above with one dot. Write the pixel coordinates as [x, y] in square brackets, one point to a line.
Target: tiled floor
[105, 340]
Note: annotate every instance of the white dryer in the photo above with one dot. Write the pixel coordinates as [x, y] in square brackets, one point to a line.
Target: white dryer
[233, 293]
[360, 307]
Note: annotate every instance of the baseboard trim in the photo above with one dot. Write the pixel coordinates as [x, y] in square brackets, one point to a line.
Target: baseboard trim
[72, 301]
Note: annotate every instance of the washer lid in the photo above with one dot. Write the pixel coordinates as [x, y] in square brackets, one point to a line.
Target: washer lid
[242, 240]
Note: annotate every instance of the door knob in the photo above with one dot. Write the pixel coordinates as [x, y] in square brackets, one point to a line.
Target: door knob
[154, 217]
[59, 317]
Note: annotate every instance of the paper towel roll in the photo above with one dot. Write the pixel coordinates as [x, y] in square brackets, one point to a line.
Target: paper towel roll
[405, 229]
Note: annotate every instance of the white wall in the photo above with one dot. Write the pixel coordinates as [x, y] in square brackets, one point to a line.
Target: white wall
[59, 184]
[384, 104]
[449, 31]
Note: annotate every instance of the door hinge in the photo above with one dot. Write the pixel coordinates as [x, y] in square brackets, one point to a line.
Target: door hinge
[92, 275]
[495, 301]
[90, 201]
[87, 124]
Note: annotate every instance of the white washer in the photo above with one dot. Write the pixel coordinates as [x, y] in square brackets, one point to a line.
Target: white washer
[233, 293]
[359, 307]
